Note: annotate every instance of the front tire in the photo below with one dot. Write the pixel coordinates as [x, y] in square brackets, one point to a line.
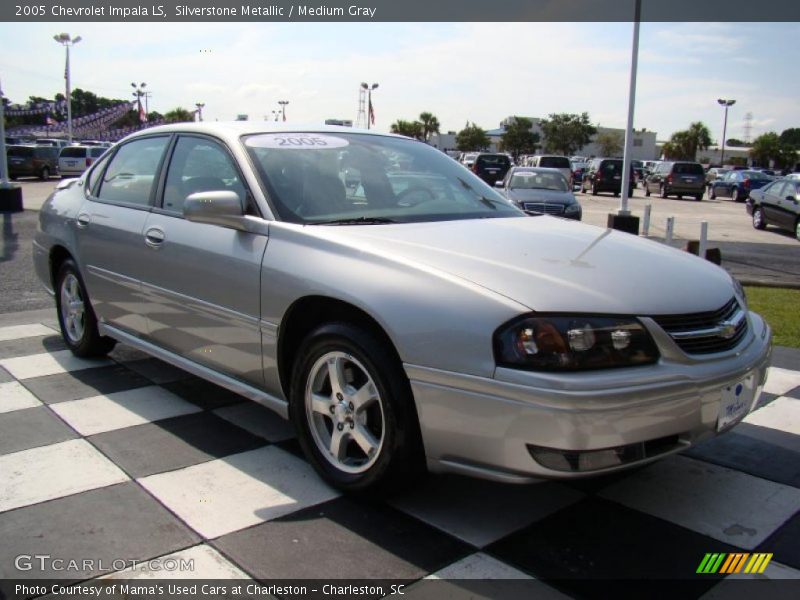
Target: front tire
[353, 410]
[759, 221]
[594, 189]
[712, 193]
[45, 173]
[646, 190]
[76, 316]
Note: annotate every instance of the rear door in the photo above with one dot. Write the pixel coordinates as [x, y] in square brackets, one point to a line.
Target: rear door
[202, 282]
[110, 224]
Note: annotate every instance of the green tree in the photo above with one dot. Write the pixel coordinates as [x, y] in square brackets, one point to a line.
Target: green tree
[407, 128]
[472, 137]
[518, 138]
[610, 143]
[430, 125]
[791, 137]
[683, 145]
[733, 142]
[567, 133]
[179, 115]
[769, 146]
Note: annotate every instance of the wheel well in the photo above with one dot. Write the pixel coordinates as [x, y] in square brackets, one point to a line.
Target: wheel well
[305, 315]
[58, 255]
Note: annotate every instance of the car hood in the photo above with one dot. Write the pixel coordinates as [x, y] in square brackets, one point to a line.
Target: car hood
[551, 264]
[525, 195]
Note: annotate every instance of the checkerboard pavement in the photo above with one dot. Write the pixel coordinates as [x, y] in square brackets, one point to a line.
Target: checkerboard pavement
[128, 457]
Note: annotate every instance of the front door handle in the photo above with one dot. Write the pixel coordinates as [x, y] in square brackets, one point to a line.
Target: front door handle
[154, 237]
[83, 220]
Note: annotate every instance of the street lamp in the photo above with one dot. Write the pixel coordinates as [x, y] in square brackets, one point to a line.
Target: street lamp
[138, 93]
[283, 104]
[200, 106]
[66, 40]
[370, 112]
[727, 104]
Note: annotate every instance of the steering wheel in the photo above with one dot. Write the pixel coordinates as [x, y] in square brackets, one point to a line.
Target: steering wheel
[412, 189]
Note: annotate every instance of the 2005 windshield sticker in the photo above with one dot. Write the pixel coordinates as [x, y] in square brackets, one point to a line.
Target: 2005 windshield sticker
[296, 141]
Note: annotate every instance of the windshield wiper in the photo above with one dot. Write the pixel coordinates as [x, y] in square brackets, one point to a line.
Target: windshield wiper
[356, 221]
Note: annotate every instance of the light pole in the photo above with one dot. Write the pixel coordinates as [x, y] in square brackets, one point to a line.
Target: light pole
[283, 104]
[138, 93]
[66, 40]
[727, 104]
[200, 106]
[370, 112]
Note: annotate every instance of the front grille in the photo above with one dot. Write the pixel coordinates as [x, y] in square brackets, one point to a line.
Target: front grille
[544, 208]
[706, 332]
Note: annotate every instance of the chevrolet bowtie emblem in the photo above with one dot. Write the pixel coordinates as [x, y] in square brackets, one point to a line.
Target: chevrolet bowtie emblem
[727, 330]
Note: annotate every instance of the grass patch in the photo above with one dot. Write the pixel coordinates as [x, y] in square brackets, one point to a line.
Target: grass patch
[781, 308]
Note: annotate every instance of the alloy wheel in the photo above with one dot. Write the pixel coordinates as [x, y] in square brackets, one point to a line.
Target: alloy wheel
[344, 412]
[73, 311]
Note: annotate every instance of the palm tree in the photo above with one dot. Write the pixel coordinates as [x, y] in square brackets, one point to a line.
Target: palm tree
[430, 125]
[408, 128]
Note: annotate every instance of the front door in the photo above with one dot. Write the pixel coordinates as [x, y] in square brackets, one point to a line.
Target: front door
[203, 281]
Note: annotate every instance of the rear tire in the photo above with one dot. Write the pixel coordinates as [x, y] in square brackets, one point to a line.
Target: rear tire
[759, 220]
[699, 197]
[45, 173]
[646, 190]
[712, 193]
[76, 316]
[348, 393]
[663, 193]
[594, 189]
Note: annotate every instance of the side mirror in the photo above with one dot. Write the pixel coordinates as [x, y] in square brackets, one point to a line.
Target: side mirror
[221, 208]
[498, 183]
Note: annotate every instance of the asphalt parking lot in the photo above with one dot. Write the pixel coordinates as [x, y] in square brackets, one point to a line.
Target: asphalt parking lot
[130, 459]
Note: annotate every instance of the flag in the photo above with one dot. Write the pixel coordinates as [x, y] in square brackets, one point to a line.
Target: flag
[371, 113]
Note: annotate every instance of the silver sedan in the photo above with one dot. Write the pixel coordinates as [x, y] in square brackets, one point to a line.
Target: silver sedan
[403, 314]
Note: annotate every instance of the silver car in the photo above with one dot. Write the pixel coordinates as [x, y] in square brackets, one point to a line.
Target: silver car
[405, 316]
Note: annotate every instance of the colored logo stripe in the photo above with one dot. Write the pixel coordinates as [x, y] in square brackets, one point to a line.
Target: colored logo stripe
[733, 563]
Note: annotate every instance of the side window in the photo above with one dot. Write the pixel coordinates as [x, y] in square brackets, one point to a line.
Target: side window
[93, 179]
[131, 175]
[199, 165]
[780, 190]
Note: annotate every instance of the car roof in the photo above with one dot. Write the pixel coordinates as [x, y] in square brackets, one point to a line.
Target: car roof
[232, 130]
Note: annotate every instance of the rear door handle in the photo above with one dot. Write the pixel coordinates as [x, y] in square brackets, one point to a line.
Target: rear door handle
[154, 237]
[83, 220]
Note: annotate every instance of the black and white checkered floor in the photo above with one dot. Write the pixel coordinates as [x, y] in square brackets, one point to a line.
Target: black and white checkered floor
[130, 458]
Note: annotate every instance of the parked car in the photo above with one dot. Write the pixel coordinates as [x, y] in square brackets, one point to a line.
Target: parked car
[551, 161]
[605, 175]
[677, 178]
[540, 190]
[32, 161]
[713, 174]
[74, 160]
[429, 324]
[736, 185]
[578, 169]
[469, 159]
[777, 203]
[491, 167]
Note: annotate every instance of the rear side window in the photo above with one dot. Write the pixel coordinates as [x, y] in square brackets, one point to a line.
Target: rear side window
[554, 162]
[688, 169]
[131, 175]
[97, 151]
[73, 152]
[20, 151]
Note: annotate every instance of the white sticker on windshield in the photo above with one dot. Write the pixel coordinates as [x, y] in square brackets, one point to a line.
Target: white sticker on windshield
[296, 141]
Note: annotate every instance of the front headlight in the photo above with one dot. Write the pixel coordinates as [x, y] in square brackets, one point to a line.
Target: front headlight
[573, 343]
[573, 208]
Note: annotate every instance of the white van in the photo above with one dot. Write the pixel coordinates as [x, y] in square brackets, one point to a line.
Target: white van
[74, 160]
[552, 161]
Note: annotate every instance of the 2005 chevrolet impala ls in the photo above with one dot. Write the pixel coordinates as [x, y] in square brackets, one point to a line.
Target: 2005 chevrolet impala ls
[398, 310]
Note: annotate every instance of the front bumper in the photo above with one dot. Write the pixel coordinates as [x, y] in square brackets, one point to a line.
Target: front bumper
[486, 427]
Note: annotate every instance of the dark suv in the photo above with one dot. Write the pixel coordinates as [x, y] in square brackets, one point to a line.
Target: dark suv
[677, 178]
[491, 167]
[37, 161]
[605, 175]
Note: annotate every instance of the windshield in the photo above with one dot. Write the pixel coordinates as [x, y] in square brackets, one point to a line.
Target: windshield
[530, 180]
[360, 179]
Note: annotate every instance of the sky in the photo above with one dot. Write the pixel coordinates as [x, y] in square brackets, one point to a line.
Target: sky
[478, 72]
